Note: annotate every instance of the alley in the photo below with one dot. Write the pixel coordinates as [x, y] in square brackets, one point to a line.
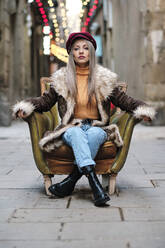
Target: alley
[134, 219]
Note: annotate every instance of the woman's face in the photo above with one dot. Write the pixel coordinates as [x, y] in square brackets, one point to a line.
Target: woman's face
[81, 52]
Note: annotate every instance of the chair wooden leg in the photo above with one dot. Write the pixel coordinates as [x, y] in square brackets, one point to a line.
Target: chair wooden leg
[105, 180]
[112, 184]
[47, 183]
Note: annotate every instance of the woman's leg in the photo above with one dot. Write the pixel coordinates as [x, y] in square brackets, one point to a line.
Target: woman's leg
[78, 140]
[96, 137]
[83, 145]
[85, 142]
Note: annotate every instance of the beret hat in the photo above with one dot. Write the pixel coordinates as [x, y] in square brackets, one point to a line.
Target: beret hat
[79, 35]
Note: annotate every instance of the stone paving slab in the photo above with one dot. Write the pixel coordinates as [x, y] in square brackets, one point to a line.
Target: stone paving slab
[160, 176]
[151, 152]
[133, 170]
[82, 200]
[51, 202]
[139, 198]
[20, 183]
[65, 215]
[154, 169]
[128, 242]
[17, 198]
[159, 183]
[106, 231]
[23, 174]
[5, 214]
[144, 214]
[134, 181]
[26, 231]
[70, 244]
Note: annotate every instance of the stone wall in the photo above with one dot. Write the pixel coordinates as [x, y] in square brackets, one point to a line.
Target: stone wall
[137, 38]
[4, 62]
[12, 56]
[154, 67]
[22, 61]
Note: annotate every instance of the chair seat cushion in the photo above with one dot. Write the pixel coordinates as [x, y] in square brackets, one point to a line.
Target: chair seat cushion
[107, 151]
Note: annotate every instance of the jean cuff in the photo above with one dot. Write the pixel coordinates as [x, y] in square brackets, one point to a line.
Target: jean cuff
[87, 162]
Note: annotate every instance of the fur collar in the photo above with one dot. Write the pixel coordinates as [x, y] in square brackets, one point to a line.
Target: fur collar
[105, 82]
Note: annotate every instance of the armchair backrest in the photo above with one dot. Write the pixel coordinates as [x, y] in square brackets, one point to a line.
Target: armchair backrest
[45, 84]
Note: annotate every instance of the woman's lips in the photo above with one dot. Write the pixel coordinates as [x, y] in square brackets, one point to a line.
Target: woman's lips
[81, 57]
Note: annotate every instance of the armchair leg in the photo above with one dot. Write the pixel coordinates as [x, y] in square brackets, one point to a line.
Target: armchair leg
[112, 184]
[47, 183]
[105, 180]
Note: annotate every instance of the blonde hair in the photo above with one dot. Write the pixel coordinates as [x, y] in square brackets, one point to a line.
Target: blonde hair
[71, 73]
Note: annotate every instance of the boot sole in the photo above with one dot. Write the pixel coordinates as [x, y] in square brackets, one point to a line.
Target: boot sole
[101, 202]
[59, 194]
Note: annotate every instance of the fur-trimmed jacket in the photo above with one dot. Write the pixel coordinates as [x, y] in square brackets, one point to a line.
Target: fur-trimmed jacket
[107, 91]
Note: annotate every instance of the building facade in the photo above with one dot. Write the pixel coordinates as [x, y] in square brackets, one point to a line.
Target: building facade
[133, 38]
[22, 62]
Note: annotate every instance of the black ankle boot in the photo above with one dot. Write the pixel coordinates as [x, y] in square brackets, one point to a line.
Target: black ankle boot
[66, 187]
[100, 198]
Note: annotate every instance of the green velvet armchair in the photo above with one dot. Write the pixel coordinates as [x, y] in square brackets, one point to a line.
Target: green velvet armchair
[109, 160]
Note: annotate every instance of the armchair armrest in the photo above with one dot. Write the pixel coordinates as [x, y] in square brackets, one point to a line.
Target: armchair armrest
[38, 125]
[126, 123]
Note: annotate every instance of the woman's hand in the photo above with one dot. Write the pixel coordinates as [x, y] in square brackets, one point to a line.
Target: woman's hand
[21, 114]
[146, 118]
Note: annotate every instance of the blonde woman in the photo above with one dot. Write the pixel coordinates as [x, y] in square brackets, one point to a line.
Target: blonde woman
[84, 91]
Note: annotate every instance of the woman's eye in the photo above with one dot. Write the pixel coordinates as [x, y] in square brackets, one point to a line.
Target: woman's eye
[86, 48]
[76, 48]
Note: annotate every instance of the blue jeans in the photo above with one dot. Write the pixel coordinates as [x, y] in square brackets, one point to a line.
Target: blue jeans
[85, 142]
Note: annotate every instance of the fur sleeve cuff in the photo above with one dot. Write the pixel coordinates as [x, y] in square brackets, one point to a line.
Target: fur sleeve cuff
[144, 110]
[26, 107]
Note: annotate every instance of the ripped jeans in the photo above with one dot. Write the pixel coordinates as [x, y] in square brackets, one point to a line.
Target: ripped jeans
[85, 142]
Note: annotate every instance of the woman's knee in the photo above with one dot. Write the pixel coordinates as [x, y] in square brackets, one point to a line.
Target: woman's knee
[72, 131]
[98, 133]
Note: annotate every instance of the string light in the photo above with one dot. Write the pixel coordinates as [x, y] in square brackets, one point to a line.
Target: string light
[42, 11]
[84, 5]
[64, 21]
[90, 14]
[55, 49]
[54, 20]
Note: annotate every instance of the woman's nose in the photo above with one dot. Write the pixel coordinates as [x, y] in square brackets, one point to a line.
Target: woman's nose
[81, 50]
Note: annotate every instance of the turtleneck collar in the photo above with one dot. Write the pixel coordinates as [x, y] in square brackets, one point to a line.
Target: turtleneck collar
[82, 70]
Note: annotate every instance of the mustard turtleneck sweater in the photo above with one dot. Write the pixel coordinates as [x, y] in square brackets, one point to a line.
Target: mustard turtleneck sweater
[82, 109]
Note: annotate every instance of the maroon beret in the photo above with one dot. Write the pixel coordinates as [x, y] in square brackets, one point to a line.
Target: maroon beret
[79, 35]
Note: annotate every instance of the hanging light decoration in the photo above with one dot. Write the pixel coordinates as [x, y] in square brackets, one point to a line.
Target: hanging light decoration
[56, 50]
[54, 19]
[64, 21]
[90, 13]
[46, 27]
[84, 5]
[50, 47]
[42, 12]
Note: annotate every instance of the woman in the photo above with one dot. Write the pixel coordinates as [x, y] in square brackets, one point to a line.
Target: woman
[84, 92]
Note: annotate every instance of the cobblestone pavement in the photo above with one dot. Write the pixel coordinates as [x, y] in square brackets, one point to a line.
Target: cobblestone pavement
[134, 219]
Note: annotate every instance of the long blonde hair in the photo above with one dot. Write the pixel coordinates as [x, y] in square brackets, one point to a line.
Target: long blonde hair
[71, 73]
